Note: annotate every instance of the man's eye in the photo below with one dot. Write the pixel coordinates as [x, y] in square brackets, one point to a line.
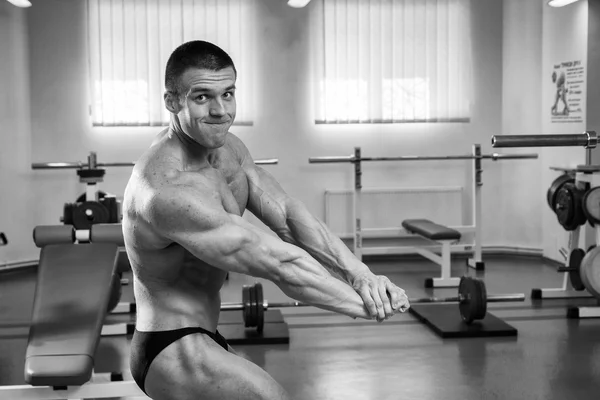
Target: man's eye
[201, 98]
[228, 95]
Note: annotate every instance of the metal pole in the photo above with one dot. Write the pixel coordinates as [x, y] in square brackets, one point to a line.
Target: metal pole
[501, 298]
[353, 159]
[88, 165]
[477, 206]
[588, 139]
[357, 205]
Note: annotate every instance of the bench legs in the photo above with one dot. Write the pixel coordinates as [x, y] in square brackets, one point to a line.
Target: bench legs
[445, 279]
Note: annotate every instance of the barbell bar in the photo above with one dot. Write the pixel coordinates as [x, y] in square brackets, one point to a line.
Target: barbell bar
[472, 300]
[84, 165]
[353, 159]
[588, 139]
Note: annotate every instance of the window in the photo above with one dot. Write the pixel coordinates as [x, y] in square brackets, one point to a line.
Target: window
[389, 61]
[131, 40]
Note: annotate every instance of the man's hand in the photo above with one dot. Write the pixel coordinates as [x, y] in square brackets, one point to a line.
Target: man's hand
[382, 298]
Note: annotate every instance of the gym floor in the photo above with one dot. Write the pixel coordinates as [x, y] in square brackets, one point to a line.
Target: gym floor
[334, 357]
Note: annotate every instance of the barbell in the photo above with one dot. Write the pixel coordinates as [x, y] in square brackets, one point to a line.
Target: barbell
[354, 159]
[587, 139]
[93, 164]
[472, 302]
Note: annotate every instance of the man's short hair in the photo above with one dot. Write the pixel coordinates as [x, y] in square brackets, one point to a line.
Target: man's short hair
[194, 54]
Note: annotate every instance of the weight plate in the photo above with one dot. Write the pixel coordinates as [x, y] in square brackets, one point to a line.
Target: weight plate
[260, 309]
[590, 272]
[247, 305]
[89, 213]
[591, 205]
[555, 186]
[568, 207]
[253, 306]
[473, 305]
[574, 275]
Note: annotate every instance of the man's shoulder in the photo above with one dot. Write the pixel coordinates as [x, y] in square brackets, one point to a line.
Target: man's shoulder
[236, 147]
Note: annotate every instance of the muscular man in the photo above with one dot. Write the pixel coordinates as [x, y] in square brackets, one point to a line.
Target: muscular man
[184, 231]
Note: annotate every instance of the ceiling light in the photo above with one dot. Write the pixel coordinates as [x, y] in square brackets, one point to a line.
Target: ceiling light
[298, 3]
[20, 3]
[560, 3]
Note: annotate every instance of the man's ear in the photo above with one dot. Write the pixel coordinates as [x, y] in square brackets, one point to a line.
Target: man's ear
[172, 102]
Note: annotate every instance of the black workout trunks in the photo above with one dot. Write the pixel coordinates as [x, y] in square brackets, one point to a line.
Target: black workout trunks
[145, 346]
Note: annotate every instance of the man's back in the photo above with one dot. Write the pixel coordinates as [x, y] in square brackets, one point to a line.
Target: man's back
[172, 287]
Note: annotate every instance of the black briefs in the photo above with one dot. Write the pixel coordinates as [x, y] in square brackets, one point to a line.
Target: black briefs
[145, 346]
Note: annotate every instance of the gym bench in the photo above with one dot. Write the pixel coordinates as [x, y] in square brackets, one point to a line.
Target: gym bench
[74, 288]
[441, 235]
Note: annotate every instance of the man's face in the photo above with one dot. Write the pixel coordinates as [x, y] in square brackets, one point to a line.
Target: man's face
[207, 105]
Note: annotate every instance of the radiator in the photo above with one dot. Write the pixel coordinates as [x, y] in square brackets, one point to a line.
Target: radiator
[388, 207]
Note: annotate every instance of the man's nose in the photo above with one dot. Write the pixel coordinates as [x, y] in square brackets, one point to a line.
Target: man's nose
[217, 108]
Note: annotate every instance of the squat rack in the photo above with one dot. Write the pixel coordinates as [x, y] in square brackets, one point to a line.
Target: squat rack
[476, 156]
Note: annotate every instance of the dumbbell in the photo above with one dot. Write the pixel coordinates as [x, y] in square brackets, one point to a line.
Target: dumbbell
[472, 302]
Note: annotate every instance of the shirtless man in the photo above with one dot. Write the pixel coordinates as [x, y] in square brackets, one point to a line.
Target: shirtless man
[184, 232]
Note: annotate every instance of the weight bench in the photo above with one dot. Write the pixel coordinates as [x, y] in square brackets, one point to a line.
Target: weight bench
[439, 234]
[71, 301]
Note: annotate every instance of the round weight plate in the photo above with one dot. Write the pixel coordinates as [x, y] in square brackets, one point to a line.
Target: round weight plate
[474, 299]
[260, 309]
[568, 207]
[89, 213]
[590, 272]
[481, 308]
[83, 197]
[247, 305]
[591, 205]
[253, 306]
[555, 186]
[575, 262]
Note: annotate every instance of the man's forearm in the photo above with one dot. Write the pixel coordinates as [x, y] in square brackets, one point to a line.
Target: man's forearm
[305, 280]
[317, 239]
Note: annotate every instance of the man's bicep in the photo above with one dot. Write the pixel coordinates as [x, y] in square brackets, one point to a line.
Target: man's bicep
[266, 198]
[208, 232]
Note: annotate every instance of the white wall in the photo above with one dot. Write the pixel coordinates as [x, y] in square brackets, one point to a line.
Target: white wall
[565, 33]
[283, 127]
[521, 86]
[17, 207]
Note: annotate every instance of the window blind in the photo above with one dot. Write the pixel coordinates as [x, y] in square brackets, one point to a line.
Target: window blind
[388, 61]
[131, 40]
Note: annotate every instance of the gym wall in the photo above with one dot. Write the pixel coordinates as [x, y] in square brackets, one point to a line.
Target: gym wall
[19, 206]
[520, 181]
[43, 61]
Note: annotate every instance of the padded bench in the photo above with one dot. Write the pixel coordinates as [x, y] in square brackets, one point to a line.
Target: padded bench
[442, 235]
[430, 230]
[70, 305]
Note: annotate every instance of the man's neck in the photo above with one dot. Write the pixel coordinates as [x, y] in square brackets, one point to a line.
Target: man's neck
[195, 153]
